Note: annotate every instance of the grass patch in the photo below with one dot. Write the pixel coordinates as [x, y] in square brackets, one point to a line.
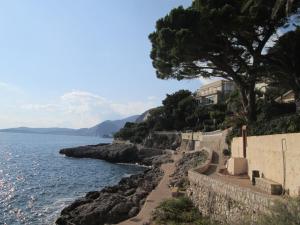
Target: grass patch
[178, 211]
[283, 213]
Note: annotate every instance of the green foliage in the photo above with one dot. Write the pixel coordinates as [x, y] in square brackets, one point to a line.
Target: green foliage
[283, 213]
[178, 211]
[289, 6]
[217, 39]
[270, 110]
[284, 62]
[180, 111]
[177, 107]
[273, 118]
[134, 132]
[279, 125]
[284, 124]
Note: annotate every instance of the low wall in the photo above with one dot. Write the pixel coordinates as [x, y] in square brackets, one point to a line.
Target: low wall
[187, 136]
[197, 136]
[275, 156]
[214, 140]
[224, 202]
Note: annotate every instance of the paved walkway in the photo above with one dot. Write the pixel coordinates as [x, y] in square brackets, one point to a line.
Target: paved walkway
[159, 194]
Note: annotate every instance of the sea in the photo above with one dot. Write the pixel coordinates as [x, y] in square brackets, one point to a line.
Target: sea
[36, 182]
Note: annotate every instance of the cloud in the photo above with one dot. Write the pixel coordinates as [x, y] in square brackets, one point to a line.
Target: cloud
[37, 107]
[80, 102]
[83, 109]
[9, 87]
[205, 81]
[132, 108]
[82, 96]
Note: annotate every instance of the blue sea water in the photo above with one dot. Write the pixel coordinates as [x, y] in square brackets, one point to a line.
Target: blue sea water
[36, 182]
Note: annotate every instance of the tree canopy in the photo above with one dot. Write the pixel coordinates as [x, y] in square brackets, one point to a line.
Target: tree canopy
[284, 61]
[180, 111]
[217, 38]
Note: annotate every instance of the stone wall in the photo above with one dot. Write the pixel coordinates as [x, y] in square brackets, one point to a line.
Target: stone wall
[276, 157]
[226, 202]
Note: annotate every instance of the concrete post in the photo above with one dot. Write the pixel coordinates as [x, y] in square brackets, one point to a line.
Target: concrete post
[244, 134]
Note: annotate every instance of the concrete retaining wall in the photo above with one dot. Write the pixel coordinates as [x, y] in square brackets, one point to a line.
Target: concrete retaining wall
[275, 156]
[214, 140]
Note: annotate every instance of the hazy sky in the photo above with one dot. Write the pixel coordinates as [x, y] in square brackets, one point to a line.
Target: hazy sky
[75, 63]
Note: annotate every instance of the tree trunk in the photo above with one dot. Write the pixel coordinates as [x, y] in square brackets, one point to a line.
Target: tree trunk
[248, 98]
[251, 115]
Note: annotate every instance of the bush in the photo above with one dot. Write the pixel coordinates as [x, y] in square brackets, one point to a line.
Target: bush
[226, 152]
[283, 213]
[134, 132]
[271, 110]
[280, 125]
[178, 211]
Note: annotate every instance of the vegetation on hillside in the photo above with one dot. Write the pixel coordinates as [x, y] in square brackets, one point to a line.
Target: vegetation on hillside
[178, 211]
[179, 111]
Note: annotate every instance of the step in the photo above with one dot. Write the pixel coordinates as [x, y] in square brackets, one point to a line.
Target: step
[269, 186]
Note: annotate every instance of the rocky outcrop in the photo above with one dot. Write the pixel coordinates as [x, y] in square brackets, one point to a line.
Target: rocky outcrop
[112, 204]
[119, 153]
[116, 153]
[187, 162]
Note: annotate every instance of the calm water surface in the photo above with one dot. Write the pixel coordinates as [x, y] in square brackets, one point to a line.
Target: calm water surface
[36, 182]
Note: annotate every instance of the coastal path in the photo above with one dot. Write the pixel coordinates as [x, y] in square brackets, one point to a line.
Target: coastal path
[158, 195]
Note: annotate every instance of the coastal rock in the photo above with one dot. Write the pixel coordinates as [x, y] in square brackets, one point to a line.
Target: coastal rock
[157, 160]
[187, 162]
[118, 153]
[112, 204]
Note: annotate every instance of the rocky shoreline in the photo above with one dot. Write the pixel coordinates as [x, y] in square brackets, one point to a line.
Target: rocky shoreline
[120, 153]
[122, 201]
[112, 204]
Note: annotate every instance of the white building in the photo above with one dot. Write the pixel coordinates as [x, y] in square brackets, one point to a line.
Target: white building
[214, 92]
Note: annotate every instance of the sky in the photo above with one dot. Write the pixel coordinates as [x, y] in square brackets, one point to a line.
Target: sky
[75, 63]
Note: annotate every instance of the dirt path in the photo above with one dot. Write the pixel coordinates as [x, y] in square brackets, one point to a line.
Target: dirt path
[159, 194]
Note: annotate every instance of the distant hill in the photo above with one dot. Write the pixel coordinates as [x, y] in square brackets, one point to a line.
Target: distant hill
[104, 129]
[143, 117]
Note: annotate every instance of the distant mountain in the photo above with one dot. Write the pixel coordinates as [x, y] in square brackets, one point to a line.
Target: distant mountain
[104, 129]
[108, 127]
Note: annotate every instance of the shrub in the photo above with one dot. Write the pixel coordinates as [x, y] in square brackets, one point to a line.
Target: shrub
[226, 152]
[283, 213]
[280, 125]
[178, 211]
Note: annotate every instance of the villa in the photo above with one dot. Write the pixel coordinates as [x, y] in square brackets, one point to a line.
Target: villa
[215, 92]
